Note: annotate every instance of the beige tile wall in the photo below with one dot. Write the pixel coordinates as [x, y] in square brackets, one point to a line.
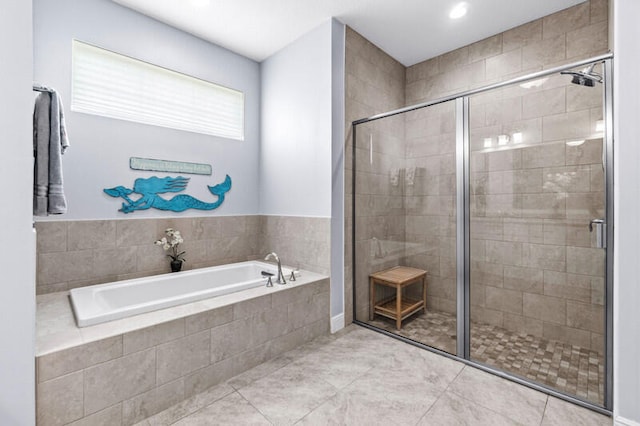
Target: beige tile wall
[79, 253]
[301, 242]
[127, 378]
[374, 84]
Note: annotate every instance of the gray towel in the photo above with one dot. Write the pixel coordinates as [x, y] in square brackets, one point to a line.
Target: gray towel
[49, 143]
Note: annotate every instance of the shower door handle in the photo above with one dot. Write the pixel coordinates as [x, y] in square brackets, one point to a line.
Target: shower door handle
[601, 232]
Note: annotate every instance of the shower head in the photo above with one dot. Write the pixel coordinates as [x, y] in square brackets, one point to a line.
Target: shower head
[587, 77]
[582, 80]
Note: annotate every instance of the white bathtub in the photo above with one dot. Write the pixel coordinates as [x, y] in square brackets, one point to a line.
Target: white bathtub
[107, 302]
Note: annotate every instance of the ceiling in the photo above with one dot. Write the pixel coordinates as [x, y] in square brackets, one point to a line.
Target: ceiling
[411, 31]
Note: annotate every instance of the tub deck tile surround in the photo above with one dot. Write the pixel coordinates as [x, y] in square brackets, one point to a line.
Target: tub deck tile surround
[117, 380]
[153, 336]
[124, 371]
[182, 356]
[56, 327]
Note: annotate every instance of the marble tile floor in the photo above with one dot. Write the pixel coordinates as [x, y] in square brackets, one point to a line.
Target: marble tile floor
[360, 377]
[568, 368]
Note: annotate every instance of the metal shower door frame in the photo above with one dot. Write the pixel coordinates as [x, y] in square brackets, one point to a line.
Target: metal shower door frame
[463, 222]
[463, 226]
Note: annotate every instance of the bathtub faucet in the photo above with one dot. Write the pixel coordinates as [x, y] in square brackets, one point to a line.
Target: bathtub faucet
[280, 279]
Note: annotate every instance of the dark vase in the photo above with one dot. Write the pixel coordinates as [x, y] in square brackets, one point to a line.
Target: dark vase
[176, 265]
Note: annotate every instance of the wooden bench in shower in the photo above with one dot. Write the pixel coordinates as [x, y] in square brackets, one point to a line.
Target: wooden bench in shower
[397, 307]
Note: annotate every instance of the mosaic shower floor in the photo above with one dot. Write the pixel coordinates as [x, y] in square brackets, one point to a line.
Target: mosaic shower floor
[568, 368]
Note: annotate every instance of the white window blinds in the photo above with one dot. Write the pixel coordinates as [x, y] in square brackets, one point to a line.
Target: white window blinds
[117, 86]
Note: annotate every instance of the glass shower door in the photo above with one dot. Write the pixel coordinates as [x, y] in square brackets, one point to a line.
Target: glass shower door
[537, 207]
[405, 225]
[501, 196]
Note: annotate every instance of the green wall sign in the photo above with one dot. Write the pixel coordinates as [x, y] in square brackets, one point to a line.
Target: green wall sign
[149, 164]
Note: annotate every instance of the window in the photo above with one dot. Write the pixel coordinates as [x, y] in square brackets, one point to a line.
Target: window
[117, 86]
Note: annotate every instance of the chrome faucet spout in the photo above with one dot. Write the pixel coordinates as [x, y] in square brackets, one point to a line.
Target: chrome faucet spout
[280, 279]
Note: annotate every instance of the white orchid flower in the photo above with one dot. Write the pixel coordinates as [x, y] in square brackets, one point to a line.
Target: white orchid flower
[171, 241]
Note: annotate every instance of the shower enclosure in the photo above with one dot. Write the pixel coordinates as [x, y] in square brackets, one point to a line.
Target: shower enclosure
[503, 196]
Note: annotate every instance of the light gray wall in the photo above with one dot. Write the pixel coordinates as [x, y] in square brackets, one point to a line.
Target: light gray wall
[17, 305]
[302, 137]
[627, 207]
[295, 157]
[100, 147]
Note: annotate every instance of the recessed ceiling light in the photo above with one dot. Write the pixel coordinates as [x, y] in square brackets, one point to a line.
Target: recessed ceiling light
[458, 10]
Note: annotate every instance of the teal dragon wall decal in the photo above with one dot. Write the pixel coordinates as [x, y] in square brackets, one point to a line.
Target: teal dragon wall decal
[149, 188]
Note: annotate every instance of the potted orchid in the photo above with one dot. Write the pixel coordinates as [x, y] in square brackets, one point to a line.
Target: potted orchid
[171, 242]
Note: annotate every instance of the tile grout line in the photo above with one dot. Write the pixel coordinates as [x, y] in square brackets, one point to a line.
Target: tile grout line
[546, 403]
[490, 409]
[444, 391]
[84, 397]
[188, 413]
[321, 402]
[320, 379]
[334, 395]
[237, 389]
[254, 407]
[313, 409]
[277, 369]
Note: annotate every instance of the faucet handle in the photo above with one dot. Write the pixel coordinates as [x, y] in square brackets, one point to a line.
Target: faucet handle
[293, 275]
[269, 282]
